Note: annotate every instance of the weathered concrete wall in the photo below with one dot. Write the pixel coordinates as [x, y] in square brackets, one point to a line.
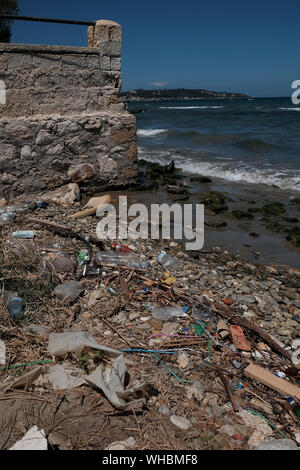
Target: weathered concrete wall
[62, 120]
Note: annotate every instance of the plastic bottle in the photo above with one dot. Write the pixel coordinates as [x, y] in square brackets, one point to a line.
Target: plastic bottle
[13, 303]
[166, 313]
[167, 260]
[121, 259]
[6, 217]
[24, 234]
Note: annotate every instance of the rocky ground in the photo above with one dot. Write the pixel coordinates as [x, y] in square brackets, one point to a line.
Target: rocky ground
[198, 397]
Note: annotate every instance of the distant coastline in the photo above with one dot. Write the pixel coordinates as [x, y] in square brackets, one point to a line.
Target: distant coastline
[177, 94]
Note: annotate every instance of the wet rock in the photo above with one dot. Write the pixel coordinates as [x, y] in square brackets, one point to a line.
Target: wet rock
[180, 422]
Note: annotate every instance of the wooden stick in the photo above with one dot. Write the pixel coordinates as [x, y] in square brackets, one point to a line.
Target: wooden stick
[227, 388]
[90, 211]
[64, 230]
[267, 378]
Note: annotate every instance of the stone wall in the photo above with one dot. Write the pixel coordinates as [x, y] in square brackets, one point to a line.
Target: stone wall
[62, 120]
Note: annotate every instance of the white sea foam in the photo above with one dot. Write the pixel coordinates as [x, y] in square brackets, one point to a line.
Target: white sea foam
[290, 109]
[190, 107]
[228, 170]
[150, 132]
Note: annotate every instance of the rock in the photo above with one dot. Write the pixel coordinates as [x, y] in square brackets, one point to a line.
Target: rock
[122, 445]
[261, 429]
[180, 422]
[296, 344]
[276, 444]
[44, 138]
[133, 315]
[156, 324]
[165, 411]
[82, 172]
[65, 195]
[182, 360]
[227, 429]
[26, 152]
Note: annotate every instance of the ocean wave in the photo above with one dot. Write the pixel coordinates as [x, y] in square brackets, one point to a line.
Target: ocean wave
[228, 170]
[289, 109]
[150, 132]
[190, 107]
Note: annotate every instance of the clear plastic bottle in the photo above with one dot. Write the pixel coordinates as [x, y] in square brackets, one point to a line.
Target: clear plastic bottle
[13, 303]
[167, 260]
[121, 259]
[6, 217]
[166, 313]
[24, 234]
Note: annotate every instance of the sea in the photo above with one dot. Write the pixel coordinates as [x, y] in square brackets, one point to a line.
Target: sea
[254, 141]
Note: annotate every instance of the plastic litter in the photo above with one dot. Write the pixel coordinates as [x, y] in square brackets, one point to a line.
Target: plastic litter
[83, 257]
[166, 313]
[111, 380]
[25, 234]
[167, 261]
[76, 342]
[121, 259]
[62, 378]
[69, 291]
[26, 380]
[34, 439]
[6, 217]
[13, 303]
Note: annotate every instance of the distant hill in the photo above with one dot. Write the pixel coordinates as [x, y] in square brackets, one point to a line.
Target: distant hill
[176, 94]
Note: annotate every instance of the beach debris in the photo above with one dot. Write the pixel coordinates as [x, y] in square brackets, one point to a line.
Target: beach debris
[76, 342]
[169, 280]
[26, 380]
[69, 291]
[270, 380]
[239, 339]
[123, 445]
[167, 261]
[223, 329]
[13, 303]
[23, 234]
[111, 380]
[166, 313]
[63, 378]
[34, 439]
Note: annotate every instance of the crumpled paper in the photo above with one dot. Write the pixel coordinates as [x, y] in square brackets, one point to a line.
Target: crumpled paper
[33, 440]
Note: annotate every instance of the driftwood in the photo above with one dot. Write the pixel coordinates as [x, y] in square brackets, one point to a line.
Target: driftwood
[66, 231]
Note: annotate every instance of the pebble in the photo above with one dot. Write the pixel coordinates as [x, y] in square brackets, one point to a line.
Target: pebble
[180, 422]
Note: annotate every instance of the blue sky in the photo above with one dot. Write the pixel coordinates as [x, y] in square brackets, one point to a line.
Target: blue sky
[218, 45]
